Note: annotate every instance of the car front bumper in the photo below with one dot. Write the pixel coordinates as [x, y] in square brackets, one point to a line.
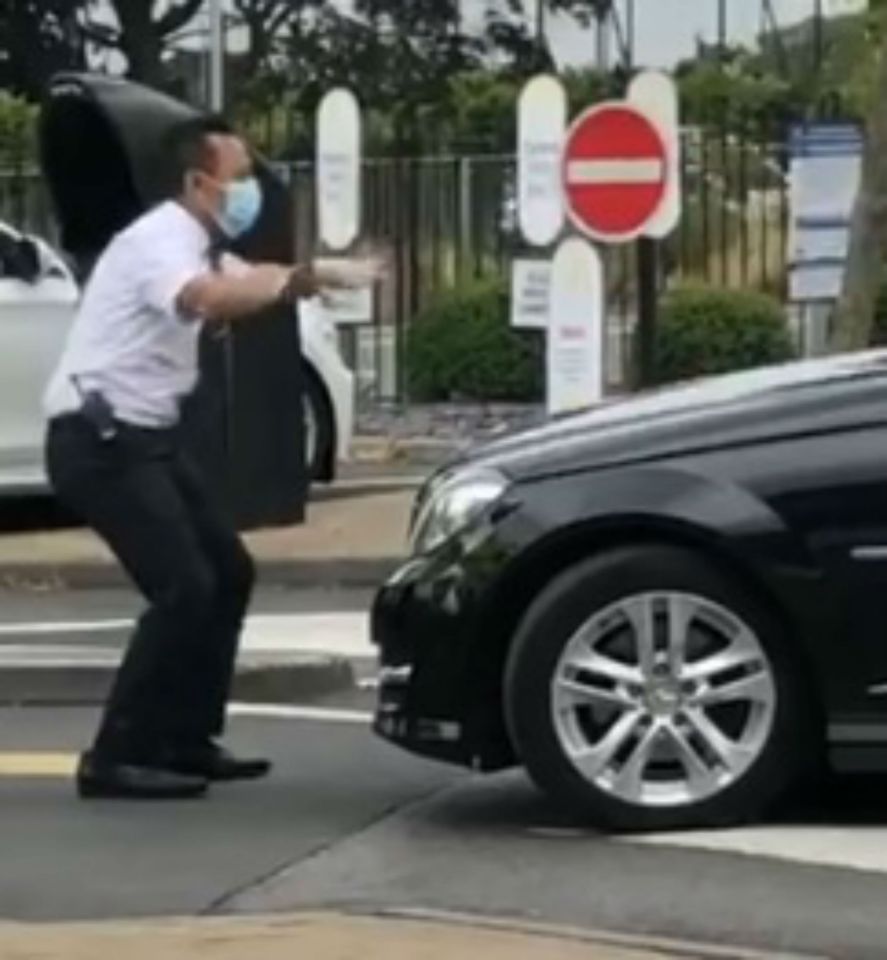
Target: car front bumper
[440, 675]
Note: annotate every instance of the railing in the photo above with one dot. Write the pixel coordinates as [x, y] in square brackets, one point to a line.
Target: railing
[444, 219]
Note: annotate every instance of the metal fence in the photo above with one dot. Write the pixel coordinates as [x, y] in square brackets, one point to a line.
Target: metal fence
[447, 219]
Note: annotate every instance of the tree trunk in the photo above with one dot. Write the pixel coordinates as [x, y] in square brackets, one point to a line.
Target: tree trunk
[867, 252]
[139, 41]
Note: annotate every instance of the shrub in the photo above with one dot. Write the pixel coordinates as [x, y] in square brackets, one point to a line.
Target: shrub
[878, 335]
[705, 330]
[462, 347]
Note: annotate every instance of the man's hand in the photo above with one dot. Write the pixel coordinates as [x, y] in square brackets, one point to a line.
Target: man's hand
[350, 274]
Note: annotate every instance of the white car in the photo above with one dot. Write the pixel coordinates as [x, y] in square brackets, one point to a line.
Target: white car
[37, 304]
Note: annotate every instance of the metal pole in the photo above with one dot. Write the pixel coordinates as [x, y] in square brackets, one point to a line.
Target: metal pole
[722, 30]
[630, 32]
[603, 40]
[818, 37]
[216, 56]
[648, 304]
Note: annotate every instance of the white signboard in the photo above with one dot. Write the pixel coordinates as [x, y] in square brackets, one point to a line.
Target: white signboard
[656, 94]
[338, 169]
[825, 175]
[575, 374]
[530, 294]
[541, 127]
[348, 307]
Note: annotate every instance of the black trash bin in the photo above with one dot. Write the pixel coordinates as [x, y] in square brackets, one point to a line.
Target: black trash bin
[100, 152]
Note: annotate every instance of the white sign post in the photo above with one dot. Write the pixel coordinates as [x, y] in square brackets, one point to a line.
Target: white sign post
[338, 169]
[656, 94]
[575, 355]
[541, 125]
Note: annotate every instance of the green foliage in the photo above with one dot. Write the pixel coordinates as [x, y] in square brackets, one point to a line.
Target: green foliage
[742, 98]
[463, 348]
[878, 337]
[705, 330]
[18, 126]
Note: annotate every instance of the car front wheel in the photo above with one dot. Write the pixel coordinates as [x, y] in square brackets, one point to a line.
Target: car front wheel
[649, 691]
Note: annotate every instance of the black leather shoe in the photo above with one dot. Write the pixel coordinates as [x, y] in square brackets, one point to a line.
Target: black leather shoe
[98, 780]
[216, 763]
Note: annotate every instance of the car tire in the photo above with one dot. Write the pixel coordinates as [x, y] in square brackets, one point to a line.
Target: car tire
[550, 723]
[319, 431]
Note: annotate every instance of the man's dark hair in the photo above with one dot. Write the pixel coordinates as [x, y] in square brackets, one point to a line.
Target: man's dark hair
[188, 148]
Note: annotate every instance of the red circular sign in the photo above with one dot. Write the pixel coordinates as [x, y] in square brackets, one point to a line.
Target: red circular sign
[615, 172]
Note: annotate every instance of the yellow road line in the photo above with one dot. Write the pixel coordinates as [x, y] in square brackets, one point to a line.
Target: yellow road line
[37, 764]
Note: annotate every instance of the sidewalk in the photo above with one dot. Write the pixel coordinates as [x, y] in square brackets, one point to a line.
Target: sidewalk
[318, 937]
[346, 541]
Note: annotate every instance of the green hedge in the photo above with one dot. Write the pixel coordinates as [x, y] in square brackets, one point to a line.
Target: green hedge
[463, 348]
[707, 330]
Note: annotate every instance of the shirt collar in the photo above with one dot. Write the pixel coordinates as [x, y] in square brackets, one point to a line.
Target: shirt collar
[190, 223]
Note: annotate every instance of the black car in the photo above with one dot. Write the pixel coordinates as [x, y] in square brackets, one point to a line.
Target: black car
[670, 609]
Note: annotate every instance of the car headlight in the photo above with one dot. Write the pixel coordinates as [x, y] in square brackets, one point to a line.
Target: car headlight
[453, 505]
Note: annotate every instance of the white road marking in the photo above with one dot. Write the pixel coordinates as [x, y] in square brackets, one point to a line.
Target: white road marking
[591, 173]
[851, 848]
[344, 634]
[282, 712]
[57, 628]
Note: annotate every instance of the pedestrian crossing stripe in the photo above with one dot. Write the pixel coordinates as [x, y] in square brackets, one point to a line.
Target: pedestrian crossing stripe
[38, 764]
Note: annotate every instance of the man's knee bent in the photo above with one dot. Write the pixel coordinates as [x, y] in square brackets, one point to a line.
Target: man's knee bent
[236, 576]
[192, 595]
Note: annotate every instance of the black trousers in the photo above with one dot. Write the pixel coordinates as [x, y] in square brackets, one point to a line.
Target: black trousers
[148, 502]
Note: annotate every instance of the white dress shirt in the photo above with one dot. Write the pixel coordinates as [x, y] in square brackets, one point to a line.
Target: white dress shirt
[128, 339]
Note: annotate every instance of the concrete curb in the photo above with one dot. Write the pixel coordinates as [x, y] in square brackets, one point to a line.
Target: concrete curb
[421, 452]
[257, 681]
[332, 573]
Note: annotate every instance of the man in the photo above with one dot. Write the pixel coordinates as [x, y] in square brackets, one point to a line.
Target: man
[114, 456]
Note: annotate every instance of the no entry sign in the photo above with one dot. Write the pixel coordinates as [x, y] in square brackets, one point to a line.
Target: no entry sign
[616, 172]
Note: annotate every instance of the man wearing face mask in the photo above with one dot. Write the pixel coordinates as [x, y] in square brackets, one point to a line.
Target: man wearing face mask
[113, 455]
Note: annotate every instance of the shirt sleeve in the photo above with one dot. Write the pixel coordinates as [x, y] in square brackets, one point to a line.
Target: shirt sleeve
[166, 268]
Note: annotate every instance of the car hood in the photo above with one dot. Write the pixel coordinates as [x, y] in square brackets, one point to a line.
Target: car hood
[763, 404]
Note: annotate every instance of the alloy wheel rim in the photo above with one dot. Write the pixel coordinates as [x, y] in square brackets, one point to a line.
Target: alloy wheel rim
[663, 699]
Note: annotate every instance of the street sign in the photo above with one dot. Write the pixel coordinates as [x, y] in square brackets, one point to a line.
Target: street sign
[615, 172]
[338, 169]
[825, 173]
[541, 124]
[656, 94]
[575, 355]
[530, 294]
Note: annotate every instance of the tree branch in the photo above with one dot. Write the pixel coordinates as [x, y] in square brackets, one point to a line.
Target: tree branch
[104, 36]
[177, 17]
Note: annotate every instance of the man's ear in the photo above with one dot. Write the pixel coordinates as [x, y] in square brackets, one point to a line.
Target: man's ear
[190, 181]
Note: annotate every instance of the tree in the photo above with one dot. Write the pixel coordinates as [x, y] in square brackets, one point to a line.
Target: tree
[38, 38]
[266, 22]
[140, 32]
[868, 232]
[398, 54]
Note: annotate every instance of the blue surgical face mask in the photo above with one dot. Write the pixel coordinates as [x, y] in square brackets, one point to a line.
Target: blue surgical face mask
[241, 206]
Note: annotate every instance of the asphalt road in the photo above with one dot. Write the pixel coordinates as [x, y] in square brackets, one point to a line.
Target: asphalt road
[348, 821]
[66, 859]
